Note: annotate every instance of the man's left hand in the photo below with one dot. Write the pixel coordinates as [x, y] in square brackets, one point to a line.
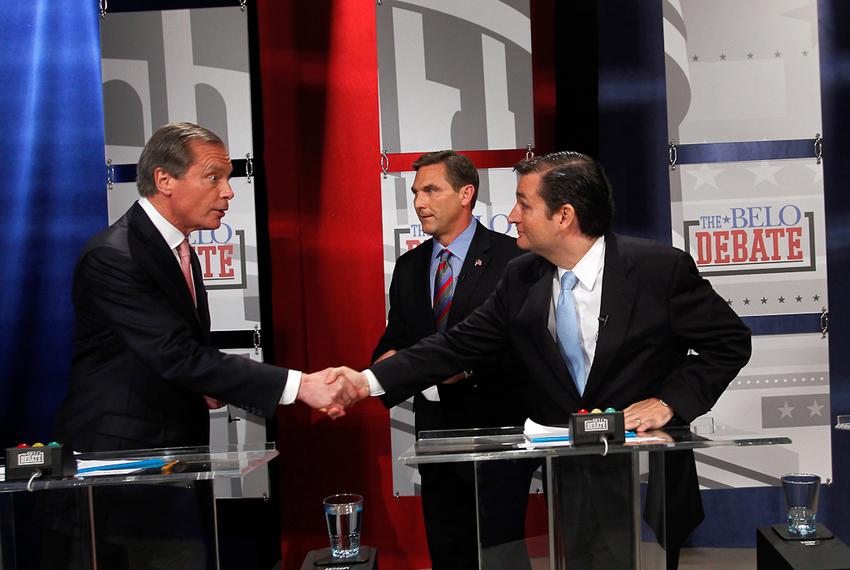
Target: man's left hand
[647, 415]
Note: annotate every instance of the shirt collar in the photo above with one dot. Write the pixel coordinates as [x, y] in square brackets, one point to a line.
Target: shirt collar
[588, 268]
[172, 236]
[460, 245]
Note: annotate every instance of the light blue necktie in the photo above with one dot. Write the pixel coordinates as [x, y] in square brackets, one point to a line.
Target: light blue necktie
[569, 335]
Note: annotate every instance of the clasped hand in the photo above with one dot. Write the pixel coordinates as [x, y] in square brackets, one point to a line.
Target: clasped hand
[332, 390]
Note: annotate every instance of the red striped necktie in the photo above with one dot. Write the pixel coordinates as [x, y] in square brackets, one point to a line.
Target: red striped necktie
[444, 288]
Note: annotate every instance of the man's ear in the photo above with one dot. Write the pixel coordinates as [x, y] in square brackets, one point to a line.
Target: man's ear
[162, 180]
[466, 193]
[567, 215]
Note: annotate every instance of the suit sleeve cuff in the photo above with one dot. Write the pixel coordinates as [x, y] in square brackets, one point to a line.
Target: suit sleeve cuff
[290, 390]
[375, 388]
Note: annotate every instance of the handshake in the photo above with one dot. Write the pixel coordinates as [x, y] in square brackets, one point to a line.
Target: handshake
[332, 390]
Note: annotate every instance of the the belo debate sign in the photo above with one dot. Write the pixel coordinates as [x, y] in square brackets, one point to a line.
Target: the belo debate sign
[752, 239]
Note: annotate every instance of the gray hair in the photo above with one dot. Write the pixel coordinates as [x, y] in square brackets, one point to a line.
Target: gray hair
[168, 149]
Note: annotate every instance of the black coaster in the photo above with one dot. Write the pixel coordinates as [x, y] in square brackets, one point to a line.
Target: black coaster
[331, 562]
[821, 533]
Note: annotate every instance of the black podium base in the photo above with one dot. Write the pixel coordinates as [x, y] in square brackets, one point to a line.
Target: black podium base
[321, 558]
[775, 553]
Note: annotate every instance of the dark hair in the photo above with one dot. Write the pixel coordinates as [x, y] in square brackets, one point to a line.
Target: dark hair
[168, 149]
[459, 169]
[576, 179]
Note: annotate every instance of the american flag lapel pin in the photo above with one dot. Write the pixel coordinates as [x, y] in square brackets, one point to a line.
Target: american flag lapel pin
[478, 263]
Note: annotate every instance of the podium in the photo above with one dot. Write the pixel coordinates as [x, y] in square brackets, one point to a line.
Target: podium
[612, 507]
[105, 519]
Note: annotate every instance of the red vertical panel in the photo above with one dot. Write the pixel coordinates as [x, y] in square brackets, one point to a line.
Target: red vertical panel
[320, 102]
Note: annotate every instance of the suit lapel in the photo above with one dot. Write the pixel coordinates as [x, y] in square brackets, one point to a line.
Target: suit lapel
[618, 295]
[152, 253]
[535, 315]
[474, 266]
[422, 286]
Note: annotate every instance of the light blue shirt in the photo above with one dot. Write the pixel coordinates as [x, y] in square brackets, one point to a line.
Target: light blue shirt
[459, 248]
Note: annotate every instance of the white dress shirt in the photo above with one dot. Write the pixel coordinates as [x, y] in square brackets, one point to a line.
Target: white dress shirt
[588, 296]
[173, 238]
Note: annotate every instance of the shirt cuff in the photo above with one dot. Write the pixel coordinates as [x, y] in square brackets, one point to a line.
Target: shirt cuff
[290, 391]
[375, 388]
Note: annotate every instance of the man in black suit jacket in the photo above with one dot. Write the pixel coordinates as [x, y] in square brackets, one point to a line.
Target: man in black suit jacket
[445, 190]
[144, 369]
[657, 341]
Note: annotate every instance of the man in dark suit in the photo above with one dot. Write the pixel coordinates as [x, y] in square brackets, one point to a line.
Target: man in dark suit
[598, 320]
[144, 370]
[445, 190]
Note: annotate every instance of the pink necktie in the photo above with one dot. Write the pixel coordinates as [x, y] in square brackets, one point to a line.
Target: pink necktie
[186, 267]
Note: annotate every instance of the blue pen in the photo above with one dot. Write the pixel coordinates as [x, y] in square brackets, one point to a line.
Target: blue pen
[629, 434]
[142, 464]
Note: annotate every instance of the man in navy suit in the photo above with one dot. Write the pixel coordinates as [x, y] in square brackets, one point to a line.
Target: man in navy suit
[144, 369]
[642, 331]
[445, 190]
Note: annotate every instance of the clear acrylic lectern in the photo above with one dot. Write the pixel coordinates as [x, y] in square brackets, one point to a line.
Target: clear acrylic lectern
[605, 506]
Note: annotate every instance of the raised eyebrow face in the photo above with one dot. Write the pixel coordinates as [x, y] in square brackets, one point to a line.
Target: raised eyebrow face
[219, 166]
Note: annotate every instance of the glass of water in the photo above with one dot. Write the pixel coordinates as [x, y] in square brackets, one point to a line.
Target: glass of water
[344, 513]
[801, 492]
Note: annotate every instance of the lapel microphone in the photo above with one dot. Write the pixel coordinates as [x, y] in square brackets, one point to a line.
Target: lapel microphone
[603, 320]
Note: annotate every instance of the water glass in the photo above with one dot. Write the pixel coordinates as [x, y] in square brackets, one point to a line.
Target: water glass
[343, 514]
[801, 502]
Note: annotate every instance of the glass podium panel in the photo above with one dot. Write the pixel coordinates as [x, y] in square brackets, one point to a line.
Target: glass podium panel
[608, 507]
[162, 511]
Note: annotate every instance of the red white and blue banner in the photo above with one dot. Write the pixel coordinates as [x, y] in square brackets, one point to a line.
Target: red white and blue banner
[747, 202]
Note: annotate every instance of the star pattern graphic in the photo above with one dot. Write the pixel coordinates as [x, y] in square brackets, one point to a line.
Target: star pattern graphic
[722, 57]
[705, 176]
[815, 409]
[750, 55]
[777, 54]
[805, 53]
[695, 57]
[765, 173]
[726, 219]
[765, 300]
[785, 411]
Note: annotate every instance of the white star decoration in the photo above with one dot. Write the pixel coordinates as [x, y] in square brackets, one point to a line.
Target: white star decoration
[785, 410]
[815, 409]
[765, 173]
[705, 176]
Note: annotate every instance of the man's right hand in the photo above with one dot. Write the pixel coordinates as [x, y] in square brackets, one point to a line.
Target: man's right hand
[357, 380]
[328, 389]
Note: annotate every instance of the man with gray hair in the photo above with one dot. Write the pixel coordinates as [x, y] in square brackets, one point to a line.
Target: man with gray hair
[145, 369]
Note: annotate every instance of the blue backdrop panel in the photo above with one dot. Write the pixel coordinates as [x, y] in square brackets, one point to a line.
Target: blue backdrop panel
[834, 21]
[54, 198]
[633, 116]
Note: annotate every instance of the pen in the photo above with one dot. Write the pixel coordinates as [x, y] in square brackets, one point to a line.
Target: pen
[129, 465]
